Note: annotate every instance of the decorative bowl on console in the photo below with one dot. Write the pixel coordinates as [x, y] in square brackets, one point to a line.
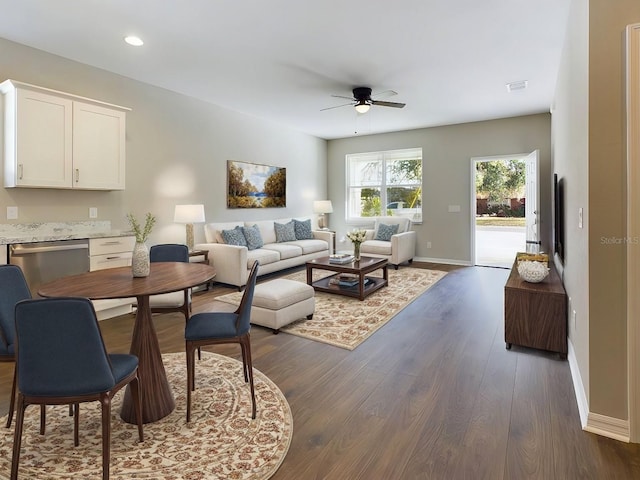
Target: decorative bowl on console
[533, 272]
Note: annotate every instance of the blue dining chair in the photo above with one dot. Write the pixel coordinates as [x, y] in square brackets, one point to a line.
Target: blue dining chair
[174, 301]
[210, 328]
[61, 358]
[13, 288]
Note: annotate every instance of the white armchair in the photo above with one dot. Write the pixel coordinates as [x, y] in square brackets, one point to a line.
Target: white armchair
[401, 246]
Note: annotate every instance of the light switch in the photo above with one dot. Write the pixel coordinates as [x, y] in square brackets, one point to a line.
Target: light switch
[12, 213]
[93, 212]
[580, 217]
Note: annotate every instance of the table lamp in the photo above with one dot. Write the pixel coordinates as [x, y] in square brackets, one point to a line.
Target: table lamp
[322, 207]
[189, 214]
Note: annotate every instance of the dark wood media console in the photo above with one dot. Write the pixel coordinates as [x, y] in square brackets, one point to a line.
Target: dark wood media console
[535, 314]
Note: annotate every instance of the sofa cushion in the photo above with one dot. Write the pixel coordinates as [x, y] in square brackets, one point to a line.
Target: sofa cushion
[267, 232]
[234, 237]
[253, 237]
[285, 232]
[303, 229]
[264, 256]
[385, 231]
[286, 250]
[310, 246]
[379, 247]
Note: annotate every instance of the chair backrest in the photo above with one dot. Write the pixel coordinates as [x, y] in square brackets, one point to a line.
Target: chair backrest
[59, 348]
[244, 310]
[13, 288]
[169, 252]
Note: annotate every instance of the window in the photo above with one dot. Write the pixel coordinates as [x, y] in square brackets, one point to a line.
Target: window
[385, 184]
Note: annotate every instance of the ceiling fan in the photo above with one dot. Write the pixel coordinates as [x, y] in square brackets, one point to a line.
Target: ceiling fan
[362, 100]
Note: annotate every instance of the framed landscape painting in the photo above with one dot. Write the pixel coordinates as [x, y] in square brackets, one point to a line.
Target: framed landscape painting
[251, 185]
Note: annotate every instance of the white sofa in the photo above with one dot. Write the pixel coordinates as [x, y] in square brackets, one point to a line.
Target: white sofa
[233, 262]
[400, 248]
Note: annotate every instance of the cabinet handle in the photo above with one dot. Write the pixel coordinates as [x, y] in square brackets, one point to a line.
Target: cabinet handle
[114, 242]
[77, 175]
[21, 170]
[113, 258]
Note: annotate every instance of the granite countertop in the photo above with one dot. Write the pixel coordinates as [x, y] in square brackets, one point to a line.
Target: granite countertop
[50, 232]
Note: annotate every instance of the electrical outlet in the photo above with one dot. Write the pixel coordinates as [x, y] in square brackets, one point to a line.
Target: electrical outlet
[12, 213]
[428, 244]
[93, 212]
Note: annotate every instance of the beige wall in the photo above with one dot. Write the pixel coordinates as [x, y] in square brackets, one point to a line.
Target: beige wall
[447, 153]
[177, 148]
[588, 139]
[607, 201]
[570, 139]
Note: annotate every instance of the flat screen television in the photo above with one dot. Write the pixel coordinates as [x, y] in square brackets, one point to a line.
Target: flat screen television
[558, 217]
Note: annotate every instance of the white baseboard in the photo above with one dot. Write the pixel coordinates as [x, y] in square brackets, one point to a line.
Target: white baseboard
[615, 428]
[578, 387]
[610, 427]
[446, 261]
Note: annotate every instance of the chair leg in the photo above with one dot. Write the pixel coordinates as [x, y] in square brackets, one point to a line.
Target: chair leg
[12, 402]
[76, 423]
[247, 340]
[105, 401]
[135, 393]
[190, 380]
[17, 437]
[244, 361]
[43, 418]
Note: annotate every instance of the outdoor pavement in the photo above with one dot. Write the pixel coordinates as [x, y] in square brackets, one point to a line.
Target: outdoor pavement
[497, 246]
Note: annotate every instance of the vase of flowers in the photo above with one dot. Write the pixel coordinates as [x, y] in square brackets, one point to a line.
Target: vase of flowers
[356, 237]
[140, 263]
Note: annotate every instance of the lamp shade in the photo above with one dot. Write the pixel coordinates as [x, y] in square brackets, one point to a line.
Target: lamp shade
[322, 206]
[189, 214]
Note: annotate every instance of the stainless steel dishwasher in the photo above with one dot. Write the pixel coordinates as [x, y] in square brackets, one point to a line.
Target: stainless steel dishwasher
[43, 262]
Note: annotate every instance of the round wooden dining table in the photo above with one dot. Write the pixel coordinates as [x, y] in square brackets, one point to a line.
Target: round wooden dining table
[164, 277]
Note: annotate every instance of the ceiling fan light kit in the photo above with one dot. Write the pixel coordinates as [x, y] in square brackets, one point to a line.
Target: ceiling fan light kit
[362, 107]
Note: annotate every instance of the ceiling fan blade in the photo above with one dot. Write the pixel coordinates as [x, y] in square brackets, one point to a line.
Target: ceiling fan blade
[337, 106]
[388, 104]
[340, 96]
[385, 94]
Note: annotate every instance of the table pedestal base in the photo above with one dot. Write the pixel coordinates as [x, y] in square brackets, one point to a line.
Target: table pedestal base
[155, 393]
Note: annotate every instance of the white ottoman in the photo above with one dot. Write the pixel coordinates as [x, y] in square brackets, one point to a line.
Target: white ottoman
[279, 302]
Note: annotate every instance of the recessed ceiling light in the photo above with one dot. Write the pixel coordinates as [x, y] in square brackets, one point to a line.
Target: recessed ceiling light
[133, 40]
[520, 85]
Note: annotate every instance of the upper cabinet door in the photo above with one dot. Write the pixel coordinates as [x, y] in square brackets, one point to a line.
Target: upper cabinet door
[59, 140]
[98, 147]
[42, 148]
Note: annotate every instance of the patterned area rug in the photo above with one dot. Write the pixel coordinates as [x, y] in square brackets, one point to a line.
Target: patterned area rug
[220, 442]
[346, 322]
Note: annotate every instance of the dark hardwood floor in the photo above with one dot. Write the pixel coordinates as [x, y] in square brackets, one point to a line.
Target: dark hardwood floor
[433, 394]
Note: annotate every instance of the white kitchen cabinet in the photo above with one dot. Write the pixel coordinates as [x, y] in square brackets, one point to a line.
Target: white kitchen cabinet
[58, 140]
[111, 252]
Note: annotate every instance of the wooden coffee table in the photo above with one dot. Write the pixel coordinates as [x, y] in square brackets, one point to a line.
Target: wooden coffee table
[360, 268]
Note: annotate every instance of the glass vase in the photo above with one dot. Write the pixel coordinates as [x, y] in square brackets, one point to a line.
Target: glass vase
[140, 264]
[356, 251]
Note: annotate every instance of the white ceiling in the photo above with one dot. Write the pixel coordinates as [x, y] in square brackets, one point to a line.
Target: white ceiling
[448, 60]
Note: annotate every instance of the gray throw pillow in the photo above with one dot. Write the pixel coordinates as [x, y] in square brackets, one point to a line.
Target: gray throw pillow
[285, 232]
[234, 237]
[253, 237]
[385, 231]
[303, 229]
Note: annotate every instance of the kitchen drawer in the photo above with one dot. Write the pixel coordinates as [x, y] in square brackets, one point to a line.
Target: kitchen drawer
[110, 260]
[102, 246]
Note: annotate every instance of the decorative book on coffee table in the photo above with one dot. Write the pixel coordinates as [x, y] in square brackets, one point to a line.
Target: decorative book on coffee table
[341, 258]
